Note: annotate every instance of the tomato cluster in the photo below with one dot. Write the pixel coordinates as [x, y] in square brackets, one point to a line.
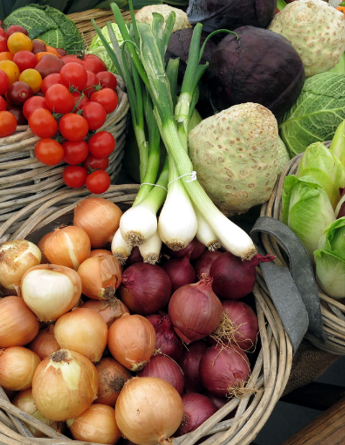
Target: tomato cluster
[64, 99]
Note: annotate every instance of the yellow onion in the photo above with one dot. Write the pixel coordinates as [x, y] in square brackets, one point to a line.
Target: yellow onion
[50, 290]
[99, 218]
[110, 310]
[131, 341]
[148, 411]
[24, 401]
[18, 324]
[100, 277]
[111, 378]
[41, 245]
[44, 343]
[67, 246]
[64, 385]
[82, 330]
[100, 252]
[96, 424]
[16, 257]
[17, 367]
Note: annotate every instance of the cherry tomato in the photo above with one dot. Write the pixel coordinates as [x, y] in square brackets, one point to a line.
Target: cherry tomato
[59, 99]
[38, 46]
[79, 100]
[48, 64]
[11, 69]
[4, 82]
[25, 60]
[3, 44]
[74, 176]
[2, 104]
[73, 127]
[73, 75]
[33, 104]
[18, 114]
[106, 97]
[102, 144]
[107, 79]
[94, 64]
[19, 92]
[92, 163]
[8, 124]
[42, 123]
[98, 182]
[19, 42]
[15, 28]
[52, 50]
[72, 58]
[48, 151]
[2, 32]
[75, 152]
[95, 115]
[61, 52]
[6, 55]
[32, 78]
[91, 84]
[51, 79]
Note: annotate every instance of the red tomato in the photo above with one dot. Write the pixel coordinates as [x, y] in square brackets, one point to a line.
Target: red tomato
[38, 46]
[75, 152]
[101, 144]
[59, 99]
[91, 84]
[3, 44]
[4, 82]
[19, 92]
[79, 101]
[2, 104]
[33, 104]
[107, 79]
[73, 75]
[72, 58]
[51, 79]
[15, 28]
[94, 64]
[98, 182]
[92, 163]
[73, 127]
[74, 176]
[25, 60]
[42, 123]
[8, 124]
[49, 151]
[18, 114]
[61, 52]
[106, 97]
[95, 115]
[2, 32]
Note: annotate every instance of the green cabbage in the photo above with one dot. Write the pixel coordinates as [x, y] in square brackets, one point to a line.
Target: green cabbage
[99, 50]
[316, 114]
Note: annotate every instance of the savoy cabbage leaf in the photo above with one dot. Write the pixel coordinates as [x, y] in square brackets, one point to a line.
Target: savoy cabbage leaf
[316, 114]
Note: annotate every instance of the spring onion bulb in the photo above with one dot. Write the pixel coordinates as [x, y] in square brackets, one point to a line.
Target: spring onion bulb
[138, 224]
[205, 234]
[150, 249]
[119, 248]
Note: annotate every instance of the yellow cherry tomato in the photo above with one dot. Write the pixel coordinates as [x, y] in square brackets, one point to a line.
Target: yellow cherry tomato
[6, 55]
[32, 78]
[19, 42]
[11, 69]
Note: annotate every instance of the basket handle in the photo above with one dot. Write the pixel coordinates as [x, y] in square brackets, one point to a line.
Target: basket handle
[293, 290]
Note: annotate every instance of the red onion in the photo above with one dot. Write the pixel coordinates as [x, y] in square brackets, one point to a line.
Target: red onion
[224, 370]
[195, 248]
[195, 311]
[197, 408]
[220, 402]
[164, 368]
[204, 262]
[134, 257]
[189, 363]
[145, 288]
[166, 339]
[180, 272]
[234, 278]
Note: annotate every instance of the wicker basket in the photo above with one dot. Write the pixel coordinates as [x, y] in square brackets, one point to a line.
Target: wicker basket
[270, 372]
[333, 311]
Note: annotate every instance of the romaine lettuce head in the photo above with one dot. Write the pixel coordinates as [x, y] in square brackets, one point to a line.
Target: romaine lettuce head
[330, 273]
[99, 50]
[307, 210]
[333, 238]
[320, 163]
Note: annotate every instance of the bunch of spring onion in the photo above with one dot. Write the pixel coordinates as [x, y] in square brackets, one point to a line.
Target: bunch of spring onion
[187, 211]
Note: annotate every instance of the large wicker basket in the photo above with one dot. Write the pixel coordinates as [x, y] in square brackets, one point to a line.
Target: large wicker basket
[270, 372]
[333, 311]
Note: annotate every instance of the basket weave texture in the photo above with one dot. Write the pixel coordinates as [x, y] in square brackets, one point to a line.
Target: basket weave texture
[333, 311]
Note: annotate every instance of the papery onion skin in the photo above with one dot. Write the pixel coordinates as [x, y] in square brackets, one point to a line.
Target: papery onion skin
[64, 385]
[167, 341]
[134, 257]
[180, 272]
[194, 249]
[131, 341]
[197, 408]
[100, 252]
[195, 311]
[44, 343]
[189, 363]
[164, 368]
[50, 290]
[111, 378]
[100, 218]
[17, 367]
[96, 424]
[145, 289]
[67, 246]
[110, 310]
[100, 277]
[223, 369]
[82, 330]
[204, 262]
[18, 324]
[41, 246]
[16, 257]
[148, 411]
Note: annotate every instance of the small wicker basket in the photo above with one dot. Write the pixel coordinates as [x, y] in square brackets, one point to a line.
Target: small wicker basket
[333, 311]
